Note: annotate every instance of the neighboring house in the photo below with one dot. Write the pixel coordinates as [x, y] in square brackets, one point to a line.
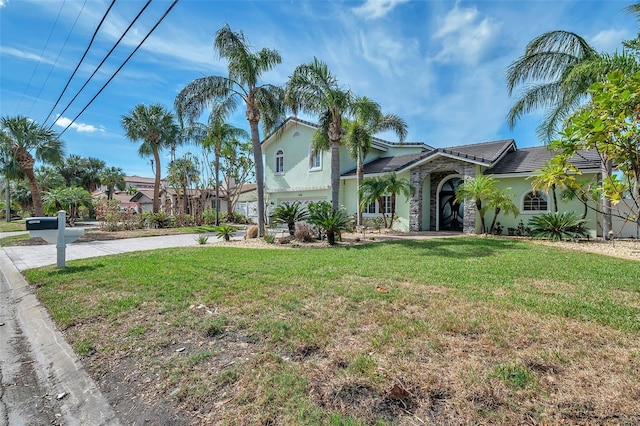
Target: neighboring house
[294, 173]
[247, 203]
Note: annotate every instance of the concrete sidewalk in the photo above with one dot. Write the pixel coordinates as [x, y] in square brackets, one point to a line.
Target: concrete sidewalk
[26, 257]
[41, 379]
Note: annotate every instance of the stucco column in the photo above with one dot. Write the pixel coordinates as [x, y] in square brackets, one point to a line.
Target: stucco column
[415, 203]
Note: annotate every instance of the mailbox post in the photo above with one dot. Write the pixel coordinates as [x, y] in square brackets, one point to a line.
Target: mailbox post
[53, 230]
[61, 244]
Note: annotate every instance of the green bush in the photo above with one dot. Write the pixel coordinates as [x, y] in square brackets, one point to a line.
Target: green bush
[558, 226]
[289, 213]
[333, 221]
[225, 231]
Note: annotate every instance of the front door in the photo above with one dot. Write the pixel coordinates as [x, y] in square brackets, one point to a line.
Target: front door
[451, 212]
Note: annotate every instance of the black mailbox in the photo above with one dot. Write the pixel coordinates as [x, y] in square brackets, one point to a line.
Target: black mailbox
[41, 223]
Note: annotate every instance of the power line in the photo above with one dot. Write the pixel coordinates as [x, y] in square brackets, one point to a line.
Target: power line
[121, 66]
[57, 58]
[81, 59]
[103, 60]
[40, 58]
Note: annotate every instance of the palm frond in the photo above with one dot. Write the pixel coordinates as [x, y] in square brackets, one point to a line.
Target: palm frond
[201, 93]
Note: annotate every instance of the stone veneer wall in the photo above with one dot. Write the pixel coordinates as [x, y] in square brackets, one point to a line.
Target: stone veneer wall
[438, 169]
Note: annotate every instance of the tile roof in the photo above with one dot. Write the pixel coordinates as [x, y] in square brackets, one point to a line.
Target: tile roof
[527, 160]
[485, 152]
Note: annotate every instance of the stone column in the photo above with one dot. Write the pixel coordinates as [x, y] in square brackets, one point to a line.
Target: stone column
[415, 203]
[469, 220]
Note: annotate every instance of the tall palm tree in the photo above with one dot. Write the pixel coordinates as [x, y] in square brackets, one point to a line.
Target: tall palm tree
[112, 178]
[368, 120]
[479, 189]
[157, 129]
[314, 90]
[26, 141]
[263, 102]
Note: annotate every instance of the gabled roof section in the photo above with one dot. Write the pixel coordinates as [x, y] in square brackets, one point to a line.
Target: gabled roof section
[528, 160]
[387, 164]
[379, 144]
[486, 154]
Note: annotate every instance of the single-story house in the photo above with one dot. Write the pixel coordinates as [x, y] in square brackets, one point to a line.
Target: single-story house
[293, 172]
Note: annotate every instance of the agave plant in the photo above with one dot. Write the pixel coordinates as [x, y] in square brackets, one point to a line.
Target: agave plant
[558, 226]
[290, 213]
[331, 221]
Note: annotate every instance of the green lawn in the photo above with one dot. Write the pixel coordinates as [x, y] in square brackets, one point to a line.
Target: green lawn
[464, 330]
[16, 225]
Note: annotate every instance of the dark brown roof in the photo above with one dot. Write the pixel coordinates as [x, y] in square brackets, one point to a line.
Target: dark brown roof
[486, 153]
[527, 160]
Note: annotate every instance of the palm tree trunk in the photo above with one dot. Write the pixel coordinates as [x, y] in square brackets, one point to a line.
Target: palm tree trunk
[335, 136]
[27, 162]
[393, 209]
[483, 227]
[335, 174]
[555, 198]
[185, 200]
[253, 116]
[496, 212]
[381, 207]
[359, 175]
[156, 183]
[217, 180]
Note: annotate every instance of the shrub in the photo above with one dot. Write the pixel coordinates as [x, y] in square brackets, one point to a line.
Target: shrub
[558, 226]
[317, 209]
[202, 239]
[252, 232]
[304, 233]
[270, 238]
[157, 220]
[209, 216]
[108, 214]
[225, 231]
[332, 222]
[290, 213]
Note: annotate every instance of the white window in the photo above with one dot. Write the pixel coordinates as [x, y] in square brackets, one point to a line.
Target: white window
[534, 201]
[315, 159]
[374, 208]
[280, 162]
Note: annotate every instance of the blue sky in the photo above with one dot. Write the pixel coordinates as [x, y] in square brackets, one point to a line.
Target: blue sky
[438, 64]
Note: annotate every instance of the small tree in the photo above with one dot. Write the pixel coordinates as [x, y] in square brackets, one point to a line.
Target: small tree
[501, 201]
[113, 178]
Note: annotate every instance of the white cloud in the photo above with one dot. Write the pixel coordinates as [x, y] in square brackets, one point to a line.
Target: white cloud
[609, 40]
[466, 37]
[10, 51]
[374, 9]
[79, 127]
[3, 3]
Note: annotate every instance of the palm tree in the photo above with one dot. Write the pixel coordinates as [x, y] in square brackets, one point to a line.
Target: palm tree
[368, 120]
[183, 172]
[500, 201]
[478, 189]
[26, 141]
[551, 176]
[112, 178]
[394, 186]
[290, 213]
[263, 102]
[215, 136]
[314, 90]
[372, 190]
[157, 129]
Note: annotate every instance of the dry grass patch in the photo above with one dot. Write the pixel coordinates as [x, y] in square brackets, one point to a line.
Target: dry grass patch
[307, 337]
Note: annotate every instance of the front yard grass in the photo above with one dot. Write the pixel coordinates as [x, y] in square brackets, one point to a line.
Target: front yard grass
[461, 330]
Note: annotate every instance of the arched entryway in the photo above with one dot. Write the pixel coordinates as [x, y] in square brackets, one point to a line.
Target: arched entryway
[450, 212]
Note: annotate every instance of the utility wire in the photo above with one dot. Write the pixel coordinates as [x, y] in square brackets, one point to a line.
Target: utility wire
[46, 80]
[103, 61]
[121, 66]
[40, 58]
[81, 59]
